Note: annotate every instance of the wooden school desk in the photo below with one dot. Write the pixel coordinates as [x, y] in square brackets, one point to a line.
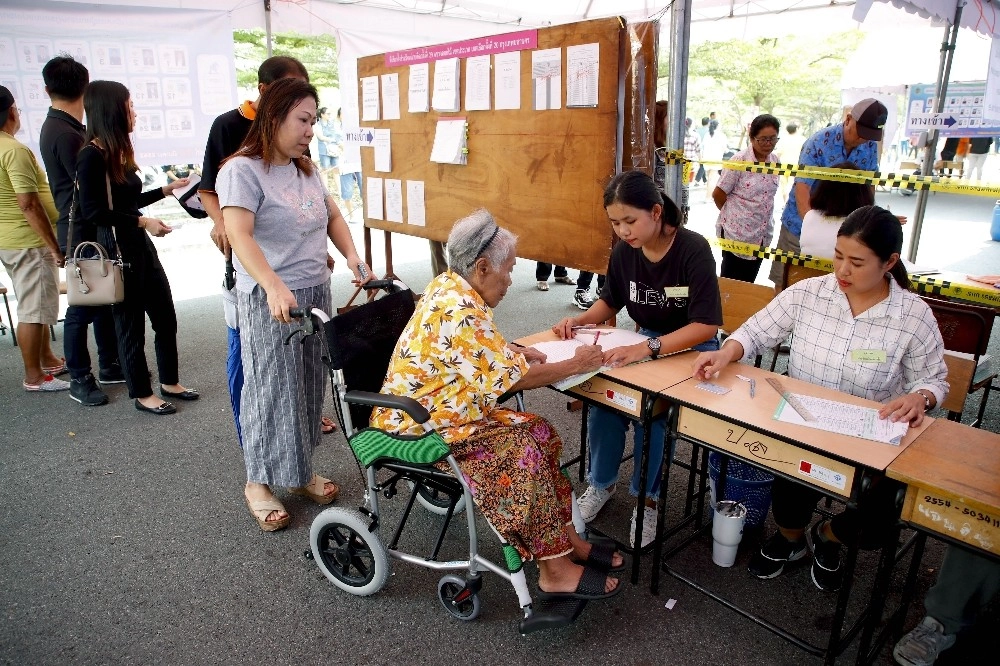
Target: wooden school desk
[837, 465]
[634, 391]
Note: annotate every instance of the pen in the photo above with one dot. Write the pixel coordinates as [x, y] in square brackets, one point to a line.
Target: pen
[580, 328]
[597, 337]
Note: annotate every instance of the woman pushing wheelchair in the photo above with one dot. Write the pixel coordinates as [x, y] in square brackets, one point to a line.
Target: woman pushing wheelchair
[452, 359]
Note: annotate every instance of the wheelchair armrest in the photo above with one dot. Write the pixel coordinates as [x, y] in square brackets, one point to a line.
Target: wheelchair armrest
[414, 409]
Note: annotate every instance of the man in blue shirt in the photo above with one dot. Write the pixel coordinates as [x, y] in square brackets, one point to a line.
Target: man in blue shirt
[854, 140]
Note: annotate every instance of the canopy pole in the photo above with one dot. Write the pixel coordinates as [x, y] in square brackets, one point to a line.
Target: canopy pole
[940, 90]
[680, 41]
[267, 25]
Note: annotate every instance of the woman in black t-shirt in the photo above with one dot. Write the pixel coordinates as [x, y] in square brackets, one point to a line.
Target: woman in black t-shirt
[664, 276]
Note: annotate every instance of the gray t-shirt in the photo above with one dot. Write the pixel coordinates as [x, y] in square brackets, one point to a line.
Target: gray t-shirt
[290, 219]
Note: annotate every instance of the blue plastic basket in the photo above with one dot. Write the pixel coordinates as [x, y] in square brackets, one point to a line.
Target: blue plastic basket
[749, 485]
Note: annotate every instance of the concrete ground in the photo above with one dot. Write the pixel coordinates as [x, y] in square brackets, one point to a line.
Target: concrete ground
[125, 537]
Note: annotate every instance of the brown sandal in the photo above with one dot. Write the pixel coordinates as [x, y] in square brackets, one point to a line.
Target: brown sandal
[267, 507]
[314, 490]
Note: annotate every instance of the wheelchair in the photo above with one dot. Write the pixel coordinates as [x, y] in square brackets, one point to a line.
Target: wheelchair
[346, 543]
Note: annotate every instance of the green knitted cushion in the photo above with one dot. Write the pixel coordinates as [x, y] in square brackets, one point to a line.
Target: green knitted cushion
[372, 444]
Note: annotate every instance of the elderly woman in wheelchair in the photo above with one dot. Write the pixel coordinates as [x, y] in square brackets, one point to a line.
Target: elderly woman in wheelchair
[452, 359]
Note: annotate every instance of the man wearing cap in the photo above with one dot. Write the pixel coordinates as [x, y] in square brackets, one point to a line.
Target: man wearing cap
[29, 250]
[854, 140]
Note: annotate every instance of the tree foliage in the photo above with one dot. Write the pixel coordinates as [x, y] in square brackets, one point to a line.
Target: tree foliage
[317, 52]
[796, 79]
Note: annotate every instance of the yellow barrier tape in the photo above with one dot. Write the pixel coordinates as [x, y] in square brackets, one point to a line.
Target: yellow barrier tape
[890, 179]
[922, 283]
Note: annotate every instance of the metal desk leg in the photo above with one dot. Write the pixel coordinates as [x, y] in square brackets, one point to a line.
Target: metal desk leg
[661, 509]
[640, 505]
[582, 472]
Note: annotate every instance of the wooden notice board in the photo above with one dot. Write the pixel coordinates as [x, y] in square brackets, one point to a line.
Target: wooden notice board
[541, 173]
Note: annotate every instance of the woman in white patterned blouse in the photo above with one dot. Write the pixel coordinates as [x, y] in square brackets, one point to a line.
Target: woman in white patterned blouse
[861, 331]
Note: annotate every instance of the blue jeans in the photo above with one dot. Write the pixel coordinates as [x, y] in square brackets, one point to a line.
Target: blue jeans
[234, 372]
[606, 435]
[327, 161]
[347, 183]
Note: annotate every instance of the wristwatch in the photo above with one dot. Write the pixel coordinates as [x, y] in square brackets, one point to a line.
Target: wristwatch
[926, 397]
[654, 346]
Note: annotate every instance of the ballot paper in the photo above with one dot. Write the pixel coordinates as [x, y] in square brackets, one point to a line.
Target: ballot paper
[373, 194]
[393, 200]
[582, 67]
[369, 98]
[445, 97]
[507, 80]
[383, 150]
[449, 142]
[546, 75]
[415, 212]
[844, 418]
[419, 97]
[561, 350]
[477, 83]
[390, 96]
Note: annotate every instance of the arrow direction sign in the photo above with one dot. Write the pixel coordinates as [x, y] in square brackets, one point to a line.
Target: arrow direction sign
[931, 120]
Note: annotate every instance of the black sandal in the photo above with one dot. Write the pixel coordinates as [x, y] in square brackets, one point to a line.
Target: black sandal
[602, 555]
[590, 588]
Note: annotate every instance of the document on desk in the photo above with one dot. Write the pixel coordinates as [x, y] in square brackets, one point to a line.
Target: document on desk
[561, 350]
[845, 419]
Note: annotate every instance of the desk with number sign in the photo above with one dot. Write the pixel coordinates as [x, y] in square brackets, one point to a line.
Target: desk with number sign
[634, 391]
[837, 465]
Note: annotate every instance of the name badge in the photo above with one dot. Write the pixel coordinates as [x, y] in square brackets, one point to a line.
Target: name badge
[868, 355]
[676, 292]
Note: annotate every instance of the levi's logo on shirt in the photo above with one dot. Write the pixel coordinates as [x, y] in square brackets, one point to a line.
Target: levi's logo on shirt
[643, 294]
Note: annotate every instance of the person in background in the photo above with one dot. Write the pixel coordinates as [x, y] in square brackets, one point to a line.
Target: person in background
[966, 584]
[278, 217]
[544, 270]
[979, 148]
[791, 148]
[29, 251]
[746, 201]
[692, 150]
[178, 171]
[61, 139]
[106, 169]
[865, 305]
[854, 140]
[328, 144]
[583, 298]
[350, 184]
[701, 177]
[664, 276]
[830, 203]
[660, 142]
[713, 148]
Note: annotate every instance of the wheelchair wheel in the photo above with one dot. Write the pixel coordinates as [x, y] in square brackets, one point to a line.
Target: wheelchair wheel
[351, 557]
[459, 603]
[436, 501]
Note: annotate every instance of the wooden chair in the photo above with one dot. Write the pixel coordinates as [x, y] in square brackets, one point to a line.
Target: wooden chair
[740, 301]
[966, 331]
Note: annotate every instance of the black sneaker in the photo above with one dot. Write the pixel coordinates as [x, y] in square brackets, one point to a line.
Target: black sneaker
[112, 375]
[826, 571]
[86, 392]
[583, 299]
[770, 560]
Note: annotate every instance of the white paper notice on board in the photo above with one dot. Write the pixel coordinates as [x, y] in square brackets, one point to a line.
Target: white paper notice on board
[393, 200]
[419, 94]
[383, 150]
[415, 213]
[582, 67]
[991, 105]
[546, 75]
[507, 82]
[449, 141]
[373, 193]
[445, 96]
[369, 98]
[477, 83]
[390, 96]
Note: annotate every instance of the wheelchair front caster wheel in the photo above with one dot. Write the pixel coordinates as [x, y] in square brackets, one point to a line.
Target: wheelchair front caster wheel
[350, 555]
[460, 602]
[436, 501]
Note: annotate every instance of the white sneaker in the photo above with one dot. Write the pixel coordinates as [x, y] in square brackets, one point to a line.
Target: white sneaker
[923, 644]
[48, 383]
[649, 519]
[592, 501]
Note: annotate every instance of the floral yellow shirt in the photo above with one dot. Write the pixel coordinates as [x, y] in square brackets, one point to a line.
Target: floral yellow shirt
[451, 359]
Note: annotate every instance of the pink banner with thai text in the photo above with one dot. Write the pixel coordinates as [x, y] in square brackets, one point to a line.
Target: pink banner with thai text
[512, 41]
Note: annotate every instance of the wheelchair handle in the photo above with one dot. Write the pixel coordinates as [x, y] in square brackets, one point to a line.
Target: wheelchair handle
[308, 312]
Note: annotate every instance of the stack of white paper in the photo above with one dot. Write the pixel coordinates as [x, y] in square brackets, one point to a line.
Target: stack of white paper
[450, 142]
